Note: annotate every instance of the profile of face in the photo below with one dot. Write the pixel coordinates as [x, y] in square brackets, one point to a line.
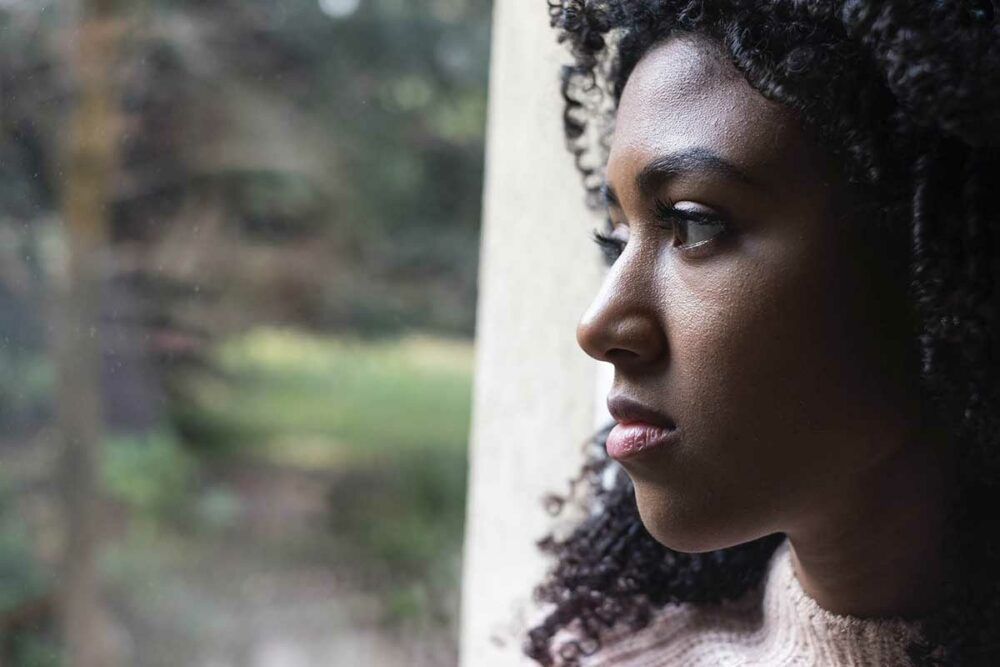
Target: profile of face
[742, 312]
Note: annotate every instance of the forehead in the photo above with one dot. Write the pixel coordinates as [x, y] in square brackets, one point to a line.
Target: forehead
[685, 93]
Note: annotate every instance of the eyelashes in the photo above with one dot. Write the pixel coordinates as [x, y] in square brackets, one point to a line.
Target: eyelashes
[691, 229]
[611, 248]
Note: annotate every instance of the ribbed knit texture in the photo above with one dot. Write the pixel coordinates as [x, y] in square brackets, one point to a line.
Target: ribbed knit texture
[778, 625]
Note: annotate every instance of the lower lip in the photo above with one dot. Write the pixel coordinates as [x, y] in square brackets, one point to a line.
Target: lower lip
[632, 438]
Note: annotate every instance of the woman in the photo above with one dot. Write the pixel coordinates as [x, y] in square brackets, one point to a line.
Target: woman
[803, 314]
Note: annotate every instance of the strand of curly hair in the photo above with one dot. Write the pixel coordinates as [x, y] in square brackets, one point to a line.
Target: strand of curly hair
[906, 96]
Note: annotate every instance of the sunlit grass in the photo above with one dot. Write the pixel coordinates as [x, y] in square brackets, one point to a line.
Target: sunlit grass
[324, 401]
[387, 421]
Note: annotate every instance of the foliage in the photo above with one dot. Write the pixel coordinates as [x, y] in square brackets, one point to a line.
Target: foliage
[151, 473]
[389, 419]
[21, 578]
[36, 650]
[25, 385]
[23, 584]
[255, 127]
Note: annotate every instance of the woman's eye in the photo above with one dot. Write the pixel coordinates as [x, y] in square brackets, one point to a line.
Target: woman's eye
[688, 233]
[692, 226]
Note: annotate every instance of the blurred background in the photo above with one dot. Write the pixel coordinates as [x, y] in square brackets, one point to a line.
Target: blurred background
[238, 259]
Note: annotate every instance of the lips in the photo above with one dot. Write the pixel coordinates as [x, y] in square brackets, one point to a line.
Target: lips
[625, 410]
[639, 428]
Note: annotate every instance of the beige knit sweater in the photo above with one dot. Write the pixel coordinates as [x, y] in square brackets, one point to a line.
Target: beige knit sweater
[778, 625]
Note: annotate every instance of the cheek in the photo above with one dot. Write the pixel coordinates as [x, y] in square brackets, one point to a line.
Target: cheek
[744, 339]
[772, 366]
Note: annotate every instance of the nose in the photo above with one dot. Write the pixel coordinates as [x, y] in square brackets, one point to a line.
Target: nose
[621, 328]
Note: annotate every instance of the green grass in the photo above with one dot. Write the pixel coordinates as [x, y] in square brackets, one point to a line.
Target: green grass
[388, 422]
[316, 401]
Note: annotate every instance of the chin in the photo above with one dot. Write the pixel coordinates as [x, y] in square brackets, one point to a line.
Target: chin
[689, 525]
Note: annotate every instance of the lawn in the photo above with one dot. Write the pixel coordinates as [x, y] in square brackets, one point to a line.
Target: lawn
[385, 421]
[317, 401]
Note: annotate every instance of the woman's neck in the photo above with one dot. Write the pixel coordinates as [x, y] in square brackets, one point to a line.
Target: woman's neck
[877, 550]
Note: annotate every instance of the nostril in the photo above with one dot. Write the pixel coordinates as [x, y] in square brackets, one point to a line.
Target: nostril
[620, 355]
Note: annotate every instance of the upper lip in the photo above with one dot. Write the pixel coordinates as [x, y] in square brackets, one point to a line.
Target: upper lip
[625, 409]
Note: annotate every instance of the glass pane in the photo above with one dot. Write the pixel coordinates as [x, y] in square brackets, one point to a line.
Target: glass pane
[238, 257]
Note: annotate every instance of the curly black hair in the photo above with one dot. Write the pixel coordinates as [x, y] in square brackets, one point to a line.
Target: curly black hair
[905, 95]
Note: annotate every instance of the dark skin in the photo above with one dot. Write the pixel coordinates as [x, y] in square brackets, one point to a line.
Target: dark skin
[768, 329]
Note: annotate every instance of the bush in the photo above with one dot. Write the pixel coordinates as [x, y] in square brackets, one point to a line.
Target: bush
[23, 584]
[150, 473]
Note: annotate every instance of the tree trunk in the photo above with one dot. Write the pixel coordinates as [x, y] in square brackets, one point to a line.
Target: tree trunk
[91, 165]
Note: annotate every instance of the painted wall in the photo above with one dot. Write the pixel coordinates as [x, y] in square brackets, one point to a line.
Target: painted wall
[535, 389]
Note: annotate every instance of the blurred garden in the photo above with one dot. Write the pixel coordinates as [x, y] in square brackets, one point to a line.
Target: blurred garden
[238, 258]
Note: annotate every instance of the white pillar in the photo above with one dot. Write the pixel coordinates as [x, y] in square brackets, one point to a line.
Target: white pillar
[534, 388]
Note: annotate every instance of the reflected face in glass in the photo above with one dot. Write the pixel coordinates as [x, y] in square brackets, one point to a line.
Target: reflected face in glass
[760, 376]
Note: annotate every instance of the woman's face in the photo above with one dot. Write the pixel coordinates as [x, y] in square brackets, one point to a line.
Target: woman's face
[741, 311]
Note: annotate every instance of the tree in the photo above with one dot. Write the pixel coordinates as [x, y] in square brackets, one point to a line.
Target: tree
[88, 188]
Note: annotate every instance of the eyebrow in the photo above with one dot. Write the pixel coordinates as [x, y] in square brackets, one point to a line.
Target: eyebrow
[680, 162]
